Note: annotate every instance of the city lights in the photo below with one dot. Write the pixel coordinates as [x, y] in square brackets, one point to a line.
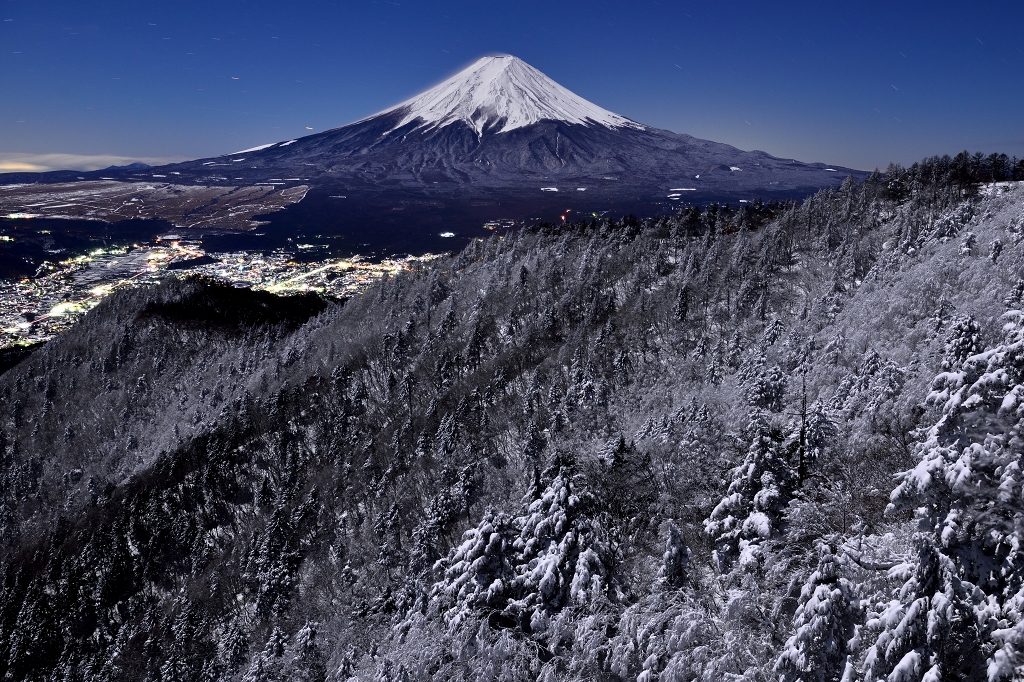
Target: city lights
[38, 308]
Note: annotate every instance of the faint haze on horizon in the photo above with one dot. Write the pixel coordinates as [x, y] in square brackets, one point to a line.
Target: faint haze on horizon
[858, 85]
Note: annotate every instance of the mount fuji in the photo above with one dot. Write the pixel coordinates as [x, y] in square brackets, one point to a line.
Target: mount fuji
[498, 140]
[501, 124]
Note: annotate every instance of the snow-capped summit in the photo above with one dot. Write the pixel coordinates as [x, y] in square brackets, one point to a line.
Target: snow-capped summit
[502, 93]
[499, 139]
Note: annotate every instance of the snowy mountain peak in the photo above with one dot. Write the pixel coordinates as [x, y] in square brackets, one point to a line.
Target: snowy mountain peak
[502, 93]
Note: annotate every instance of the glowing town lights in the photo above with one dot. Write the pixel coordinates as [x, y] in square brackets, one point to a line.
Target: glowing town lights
[62, 309]
[37, 308]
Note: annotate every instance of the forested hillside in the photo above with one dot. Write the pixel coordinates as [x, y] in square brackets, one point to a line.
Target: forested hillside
[774, 442]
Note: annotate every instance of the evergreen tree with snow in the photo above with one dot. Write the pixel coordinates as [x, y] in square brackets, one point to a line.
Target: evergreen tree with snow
[811, 434]
[962, 341]
[825, 622]
[929, 633]
[564, 555]
[308, 662]
[479, 573]
[959, 613]
[676, 559]
[764, 387]
[761, 487]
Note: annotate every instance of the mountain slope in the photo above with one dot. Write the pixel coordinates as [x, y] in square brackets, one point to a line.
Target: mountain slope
[501, 124]
[504, 464]
[498, 140]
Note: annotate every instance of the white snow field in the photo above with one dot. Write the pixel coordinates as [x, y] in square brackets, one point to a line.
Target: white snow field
[254, 149]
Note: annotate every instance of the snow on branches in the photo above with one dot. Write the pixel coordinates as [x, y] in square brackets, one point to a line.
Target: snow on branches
[961, 610]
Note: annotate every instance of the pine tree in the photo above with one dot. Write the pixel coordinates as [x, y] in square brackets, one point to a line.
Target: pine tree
[266, 665]
[962, 341]
[307, 658]
[479, 574]
[825, 622]
[957, 613]
[564, 557]
[929, 634]
[681, 308]
[676, 559]
[764, 387]
[751, 511]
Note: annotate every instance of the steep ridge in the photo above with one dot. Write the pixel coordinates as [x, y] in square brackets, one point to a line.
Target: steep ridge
[609, 450]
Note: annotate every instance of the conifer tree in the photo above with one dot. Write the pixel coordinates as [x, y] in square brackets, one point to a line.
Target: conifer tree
[564, 557]
[751, 511]
[676, 559]
[959, 611]
[962, 341]
[825, 622]
[479, 574]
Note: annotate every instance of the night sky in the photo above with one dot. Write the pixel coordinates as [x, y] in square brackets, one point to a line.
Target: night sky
[853, 83]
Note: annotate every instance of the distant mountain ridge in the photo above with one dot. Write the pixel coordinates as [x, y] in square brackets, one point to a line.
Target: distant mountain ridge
[501, 124]
[497, 141]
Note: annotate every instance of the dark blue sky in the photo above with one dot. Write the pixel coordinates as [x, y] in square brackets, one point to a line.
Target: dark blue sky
[855, 83]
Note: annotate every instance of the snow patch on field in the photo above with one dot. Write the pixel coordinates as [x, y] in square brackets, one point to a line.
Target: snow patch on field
[256, 149]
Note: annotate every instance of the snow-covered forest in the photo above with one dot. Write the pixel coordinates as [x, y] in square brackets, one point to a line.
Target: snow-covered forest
[778, 442]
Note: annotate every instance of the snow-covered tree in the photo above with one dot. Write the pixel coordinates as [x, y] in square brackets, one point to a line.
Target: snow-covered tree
[825, 622]
[751, 511]
[564, 557]
[676, 560]
[959, 612]
[929, 632]
[768, 389]
[963, 340]
[868, 390]
[307, 660]
[479, 573]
